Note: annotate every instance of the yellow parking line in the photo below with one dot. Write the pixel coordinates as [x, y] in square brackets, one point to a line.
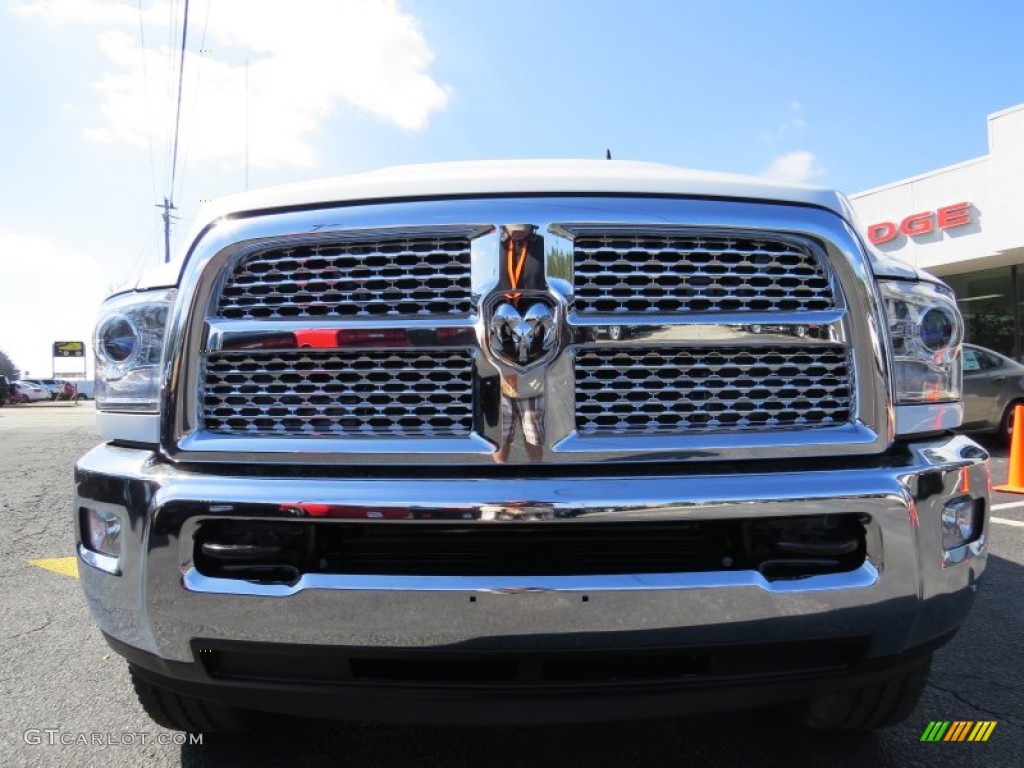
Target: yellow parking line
[66, 566]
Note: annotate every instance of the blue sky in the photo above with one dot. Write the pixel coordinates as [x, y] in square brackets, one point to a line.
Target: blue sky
[850, 96]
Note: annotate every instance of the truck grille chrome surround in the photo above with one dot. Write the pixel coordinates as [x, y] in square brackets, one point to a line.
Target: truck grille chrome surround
[664, 390]
[371, 277]
[718, 355]
[662, 271]
[351, 394]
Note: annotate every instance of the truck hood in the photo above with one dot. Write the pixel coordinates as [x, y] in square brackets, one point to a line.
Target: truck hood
[512, 177]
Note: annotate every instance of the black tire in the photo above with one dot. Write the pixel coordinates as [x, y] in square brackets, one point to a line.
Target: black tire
[1006, 423]
[180, 712]
[880, 704]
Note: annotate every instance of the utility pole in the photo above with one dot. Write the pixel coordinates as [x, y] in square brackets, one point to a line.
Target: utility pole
[168, 206]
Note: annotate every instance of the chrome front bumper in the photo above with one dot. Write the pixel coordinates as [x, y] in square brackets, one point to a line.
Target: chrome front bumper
[907, 593]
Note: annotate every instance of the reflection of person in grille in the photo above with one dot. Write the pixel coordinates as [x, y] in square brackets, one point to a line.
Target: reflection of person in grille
[528, 412]
[522, 267]
[522, 262]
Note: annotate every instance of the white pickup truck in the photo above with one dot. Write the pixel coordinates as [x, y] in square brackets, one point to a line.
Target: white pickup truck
[541, 441]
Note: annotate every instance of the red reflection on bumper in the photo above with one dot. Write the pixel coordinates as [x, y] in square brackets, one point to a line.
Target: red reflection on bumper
[314, 509]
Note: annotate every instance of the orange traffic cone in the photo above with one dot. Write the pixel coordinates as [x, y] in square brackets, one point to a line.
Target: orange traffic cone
[1015, 483]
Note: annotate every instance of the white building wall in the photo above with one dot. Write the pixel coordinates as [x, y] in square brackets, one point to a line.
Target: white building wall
[1006, 145]
[993, 184]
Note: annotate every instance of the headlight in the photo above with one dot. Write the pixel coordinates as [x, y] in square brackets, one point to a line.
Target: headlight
[925, 330]
[129, 343]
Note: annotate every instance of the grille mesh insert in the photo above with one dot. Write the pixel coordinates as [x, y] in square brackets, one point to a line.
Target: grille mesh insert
[339, 394]
[676, 390]
[623, 272]
[778, 547]
[371, 278]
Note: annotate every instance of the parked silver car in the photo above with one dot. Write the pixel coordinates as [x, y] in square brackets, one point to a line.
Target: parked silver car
[993, 385]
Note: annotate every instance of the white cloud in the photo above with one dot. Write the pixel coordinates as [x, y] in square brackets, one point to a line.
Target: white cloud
[49, 293]
[306, 60]
[798, 166]
[78, 11]
[794, 123]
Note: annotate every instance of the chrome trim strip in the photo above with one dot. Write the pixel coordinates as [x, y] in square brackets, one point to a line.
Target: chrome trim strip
[685, 494]
[928, 417]
[323, 450]
[133, 427]
[864, 576]
[222, 333]
[755, 329]
[825, 317]
[220, 326]
[855, 439]
[105, 563]
[861, 326]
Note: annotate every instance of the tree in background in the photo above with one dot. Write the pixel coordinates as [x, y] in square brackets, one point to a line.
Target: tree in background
[7, 366]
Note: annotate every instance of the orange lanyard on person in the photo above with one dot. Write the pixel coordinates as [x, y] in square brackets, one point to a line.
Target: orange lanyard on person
[515, 271]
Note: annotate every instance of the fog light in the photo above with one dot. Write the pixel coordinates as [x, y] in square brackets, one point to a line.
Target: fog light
[957, 522]
[103, 532]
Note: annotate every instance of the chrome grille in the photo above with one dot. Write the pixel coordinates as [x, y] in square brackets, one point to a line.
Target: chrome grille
[375, 277]
[339, 394]
[692, 281]
[693, 272]
[622, 391]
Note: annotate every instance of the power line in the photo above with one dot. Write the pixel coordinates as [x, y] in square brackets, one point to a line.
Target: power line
[168, 203]
[140, 257]
[149, 124]
[190, 123]
[172, 31]
[181, 84]
[247, 126]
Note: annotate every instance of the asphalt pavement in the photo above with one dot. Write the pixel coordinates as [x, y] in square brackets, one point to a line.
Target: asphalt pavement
[65, 698]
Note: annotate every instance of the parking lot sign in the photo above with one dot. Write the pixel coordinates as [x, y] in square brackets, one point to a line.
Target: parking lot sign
[69, 349]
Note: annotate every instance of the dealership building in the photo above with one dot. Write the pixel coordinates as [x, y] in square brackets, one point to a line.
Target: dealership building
[965, 223]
